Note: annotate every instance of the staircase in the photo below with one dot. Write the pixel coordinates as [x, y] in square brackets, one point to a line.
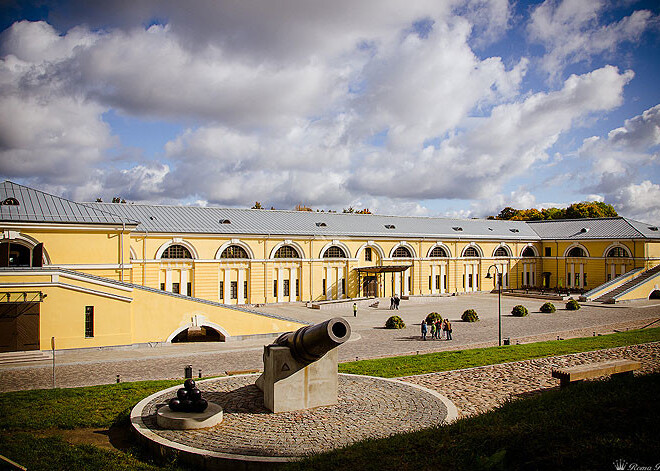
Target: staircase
[630, 284]
[9, 358]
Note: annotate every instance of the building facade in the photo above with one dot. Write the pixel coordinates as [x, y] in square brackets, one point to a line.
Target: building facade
[245, 257]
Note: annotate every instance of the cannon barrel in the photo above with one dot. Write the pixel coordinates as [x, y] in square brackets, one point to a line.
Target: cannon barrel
[311, 342]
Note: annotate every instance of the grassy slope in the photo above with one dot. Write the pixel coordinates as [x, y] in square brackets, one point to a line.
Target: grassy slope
[446, 361]
[587, 426]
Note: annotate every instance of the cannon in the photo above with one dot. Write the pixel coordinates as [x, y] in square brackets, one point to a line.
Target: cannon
[300, 368]
[311, 342]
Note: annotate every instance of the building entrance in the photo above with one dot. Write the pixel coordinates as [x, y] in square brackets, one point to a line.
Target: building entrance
[370, 287]
[19, 327]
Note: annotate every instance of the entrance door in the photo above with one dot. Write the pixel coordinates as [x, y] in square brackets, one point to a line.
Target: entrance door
[369, 287]
[19, 327]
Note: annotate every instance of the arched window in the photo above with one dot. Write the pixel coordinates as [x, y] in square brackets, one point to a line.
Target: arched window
[576, 252]
[334, 252]
[471, 252]
[501, 252]
[176, 251]
[234, 251]
[529, 252]
[17, 255]
[618, 252]
[438, 252]
[10, 202]
[402, 252]
[286, 251]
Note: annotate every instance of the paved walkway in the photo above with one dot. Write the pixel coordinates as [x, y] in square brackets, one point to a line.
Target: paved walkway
[369, 340]
[476, 390]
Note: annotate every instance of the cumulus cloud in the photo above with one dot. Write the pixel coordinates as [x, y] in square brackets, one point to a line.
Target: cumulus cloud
[639, 201]
[571, 31]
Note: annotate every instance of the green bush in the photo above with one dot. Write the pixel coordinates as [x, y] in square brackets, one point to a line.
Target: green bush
[433, 317]
[548, 308]
[470, 315]
[519, 311]
[395, 322]
[572, 305]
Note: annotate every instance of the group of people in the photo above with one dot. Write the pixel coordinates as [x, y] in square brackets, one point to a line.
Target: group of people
[394, 302]
[440, 330]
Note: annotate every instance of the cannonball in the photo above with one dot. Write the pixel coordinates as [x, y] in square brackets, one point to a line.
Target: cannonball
[200, 405]
[186, 405]
[175, 404]
[183, 394]
[194, 394]
[189, 384]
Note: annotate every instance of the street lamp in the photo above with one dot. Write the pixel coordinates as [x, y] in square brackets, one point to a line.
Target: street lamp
[499, 298]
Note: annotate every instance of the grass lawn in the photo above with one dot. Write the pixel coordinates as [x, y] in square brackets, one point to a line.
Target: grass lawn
[585, 427]
[515, 435]
[454, 360]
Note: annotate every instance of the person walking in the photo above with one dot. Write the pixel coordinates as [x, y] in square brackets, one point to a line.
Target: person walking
[424, 329]
[391, 302]
[448, 329]
[433, 331]
[354, 310]
[438, 329]
[396, 301]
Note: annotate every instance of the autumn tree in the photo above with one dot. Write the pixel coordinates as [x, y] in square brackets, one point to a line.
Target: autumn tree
[257, 205]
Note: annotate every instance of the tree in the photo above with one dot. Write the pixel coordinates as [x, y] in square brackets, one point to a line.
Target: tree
[348, 210]
[583, 210]
[363, 211]
[302, 207]
[507, 213]
[257, 205]
[99, 200]
[528, 215]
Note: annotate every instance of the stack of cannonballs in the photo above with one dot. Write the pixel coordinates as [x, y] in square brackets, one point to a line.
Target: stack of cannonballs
[188, 399]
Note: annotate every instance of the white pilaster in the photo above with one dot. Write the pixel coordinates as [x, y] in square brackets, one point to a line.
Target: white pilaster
[227, 284]
[241, 282]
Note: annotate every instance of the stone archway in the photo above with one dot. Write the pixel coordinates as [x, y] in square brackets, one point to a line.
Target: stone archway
[655, 294]
[202, 333]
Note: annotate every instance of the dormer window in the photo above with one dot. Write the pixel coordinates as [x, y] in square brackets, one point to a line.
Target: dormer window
[390, 226]
[584, 230]
[10, 202]
[225, 221]
[321, 224]
[457, 228]
[153, 218]
[514, 230]
[653, 228]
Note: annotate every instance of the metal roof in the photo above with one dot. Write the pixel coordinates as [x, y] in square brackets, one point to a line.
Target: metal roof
[211, 220]
[596, 228]
[37, 206]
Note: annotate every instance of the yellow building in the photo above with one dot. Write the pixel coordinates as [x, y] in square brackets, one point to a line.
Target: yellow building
[98, 274]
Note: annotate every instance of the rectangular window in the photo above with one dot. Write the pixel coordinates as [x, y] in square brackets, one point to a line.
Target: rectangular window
[343, 286]
[609, 276]
[275, 288]
[548, 251]
[233, 290]
[162, 286]
[222, 290]
[323, 287]
[527, 278]
[437, 281]
[470, 281]
[430, 287]
[584, 279]
[286, 288]
[568, 279]
[245, 293]
[410, 284]
[367, 254]
[445, 281]
[577, 279]
[89, 322]
[297, 287]
[463, 281]
[175, 288]
[189, 289]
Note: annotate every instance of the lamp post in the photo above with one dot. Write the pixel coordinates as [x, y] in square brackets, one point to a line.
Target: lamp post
[499, 299]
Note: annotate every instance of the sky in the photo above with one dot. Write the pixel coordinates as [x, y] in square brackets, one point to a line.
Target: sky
[452, 108]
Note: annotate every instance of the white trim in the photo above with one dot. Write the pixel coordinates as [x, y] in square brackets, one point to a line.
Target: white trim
[177, 241]
[109, 284]
[613, 245]
[509, 252]
[476, 246]
[25, 241]
[373, 245]
[238, 242]
[295, 245]
[338, 243]
[533, 247]
[66, 286]
[132, 255]
[572, 246]
[405, 244]
[444, 247]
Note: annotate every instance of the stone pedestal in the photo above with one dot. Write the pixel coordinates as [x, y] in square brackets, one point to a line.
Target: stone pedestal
[169, 419]
[292, 385]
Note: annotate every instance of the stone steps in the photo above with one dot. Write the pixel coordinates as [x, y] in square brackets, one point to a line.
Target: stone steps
[29, 356]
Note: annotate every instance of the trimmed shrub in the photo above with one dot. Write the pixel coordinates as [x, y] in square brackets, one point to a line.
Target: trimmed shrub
[395, 322]
[548, 308]
[572, 305]
[519, 311]
[433, 317]
[470, 315]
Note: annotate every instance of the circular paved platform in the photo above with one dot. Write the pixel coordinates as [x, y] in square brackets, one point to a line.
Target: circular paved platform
[368, 408]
